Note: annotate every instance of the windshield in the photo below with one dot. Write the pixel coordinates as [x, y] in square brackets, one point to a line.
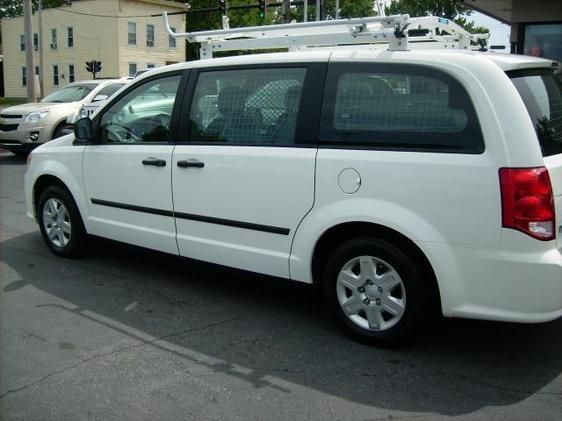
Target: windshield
[70, 93]
[541, 92]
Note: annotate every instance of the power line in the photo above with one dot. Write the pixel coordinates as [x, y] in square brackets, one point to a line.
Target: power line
[74, 12]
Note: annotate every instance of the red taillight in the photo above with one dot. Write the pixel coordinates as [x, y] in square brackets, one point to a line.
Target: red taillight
[527, 201]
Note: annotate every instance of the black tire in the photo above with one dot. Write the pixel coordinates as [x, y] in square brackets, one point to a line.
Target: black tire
[415, 298]
[21, 154]
[76, 239]
[62, 130]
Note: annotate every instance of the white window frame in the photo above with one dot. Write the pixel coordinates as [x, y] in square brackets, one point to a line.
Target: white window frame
[136, 69]
[150, 42]
[56, 75]
[54, 37]
[69, 38]
[172, 42]
[71, 73]
[129, 33]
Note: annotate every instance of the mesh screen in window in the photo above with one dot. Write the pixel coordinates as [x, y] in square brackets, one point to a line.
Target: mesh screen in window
[404, 110]
[255, 106]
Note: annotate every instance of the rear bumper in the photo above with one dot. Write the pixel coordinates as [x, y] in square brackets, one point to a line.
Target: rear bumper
[518, 282]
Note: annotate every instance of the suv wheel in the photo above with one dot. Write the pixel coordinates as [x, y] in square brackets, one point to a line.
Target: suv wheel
[60, 222]
[375, 290]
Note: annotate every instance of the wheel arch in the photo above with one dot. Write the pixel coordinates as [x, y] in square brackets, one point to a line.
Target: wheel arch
[44, 181]
[57, 125]
[341, 232]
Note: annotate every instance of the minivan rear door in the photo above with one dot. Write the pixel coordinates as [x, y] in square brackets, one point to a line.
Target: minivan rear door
[541, 91]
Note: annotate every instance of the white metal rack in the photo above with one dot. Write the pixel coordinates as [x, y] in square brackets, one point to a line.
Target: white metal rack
[391, 32]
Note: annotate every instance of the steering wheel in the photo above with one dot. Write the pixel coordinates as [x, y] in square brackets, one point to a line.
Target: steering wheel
[162, 119]
[123, 134]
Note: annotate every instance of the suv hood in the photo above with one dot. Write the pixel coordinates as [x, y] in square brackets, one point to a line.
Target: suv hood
[25, 109]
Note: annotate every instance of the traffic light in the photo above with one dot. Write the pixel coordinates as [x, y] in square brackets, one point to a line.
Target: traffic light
[263, 8]
[222, 7]
[93, 67]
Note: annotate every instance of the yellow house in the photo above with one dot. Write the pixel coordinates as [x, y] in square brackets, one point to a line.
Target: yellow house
[121, 34]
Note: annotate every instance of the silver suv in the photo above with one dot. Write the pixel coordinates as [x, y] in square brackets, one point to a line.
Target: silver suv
[24, 127]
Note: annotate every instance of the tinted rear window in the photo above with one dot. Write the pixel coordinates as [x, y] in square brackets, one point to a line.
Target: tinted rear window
[398, 107]
[541, 92]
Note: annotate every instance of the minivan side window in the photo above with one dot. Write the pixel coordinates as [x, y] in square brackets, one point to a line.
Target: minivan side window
[246, 106]
[398, 107]
[144, 114]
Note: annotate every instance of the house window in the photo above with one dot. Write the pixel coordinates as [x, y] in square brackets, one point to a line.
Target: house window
[150, 35]
[132, 69]
[172, 40]
[150, 65]
[55, 75]
[71, 76]
[23, 76]
[35, 42]
[37, 70]
[22, 42]
[70, 30]
[53, 38]
[132, 33]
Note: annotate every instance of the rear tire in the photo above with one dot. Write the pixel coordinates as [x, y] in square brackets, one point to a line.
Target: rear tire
[62, 130]
[376, 291]
[60, 222]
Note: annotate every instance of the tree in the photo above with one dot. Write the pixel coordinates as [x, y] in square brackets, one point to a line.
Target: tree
[449, 9]
[14, 8]
[250, 17]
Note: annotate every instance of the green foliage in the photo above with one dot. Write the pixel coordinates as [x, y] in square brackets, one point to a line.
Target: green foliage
[450, 9]
[250, 17]
[14, 8]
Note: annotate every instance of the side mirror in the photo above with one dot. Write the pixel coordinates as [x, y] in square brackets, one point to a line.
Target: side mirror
[100, 98]
[83, 130]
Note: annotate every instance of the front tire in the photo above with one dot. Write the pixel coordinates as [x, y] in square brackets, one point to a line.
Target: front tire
[375, 291]
[60, 222]
[62, 130]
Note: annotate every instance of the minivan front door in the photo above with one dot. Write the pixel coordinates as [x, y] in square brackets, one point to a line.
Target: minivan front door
[127, 170]
[244, 179]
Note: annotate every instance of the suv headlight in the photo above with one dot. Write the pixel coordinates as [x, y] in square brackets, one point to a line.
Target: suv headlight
[35, 116]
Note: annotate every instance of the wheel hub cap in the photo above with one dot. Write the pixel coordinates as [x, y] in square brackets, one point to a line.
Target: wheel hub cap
[371, 293]
[56, 222]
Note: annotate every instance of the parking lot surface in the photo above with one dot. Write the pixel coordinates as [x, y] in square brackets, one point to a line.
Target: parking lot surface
[129, 334]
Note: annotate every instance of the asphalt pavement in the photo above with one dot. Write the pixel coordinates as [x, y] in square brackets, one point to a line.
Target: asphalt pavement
[125, 333]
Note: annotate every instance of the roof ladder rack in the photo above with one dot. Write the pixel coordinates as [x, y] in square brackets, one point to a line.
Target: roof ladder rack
[390, 32]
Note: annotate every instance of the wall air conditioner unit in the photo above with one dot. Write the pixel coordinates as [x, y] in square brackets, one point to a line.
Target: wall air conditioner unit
[150, 43]
[54, 46]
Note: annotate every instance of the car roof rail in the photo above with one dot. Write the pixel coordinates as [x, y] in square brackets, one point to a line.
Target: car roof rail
[394, 33]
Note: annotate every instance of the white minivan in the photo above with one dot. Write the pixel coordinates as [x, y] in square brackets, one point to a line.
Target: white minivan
[400, 182]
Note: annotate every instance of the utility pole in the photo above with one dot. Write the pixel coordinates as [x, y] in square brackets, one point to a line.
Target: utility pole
[41, 87]
[286, 9]
[29, 64]
[305, 11]
[317, 10]
[337, 9]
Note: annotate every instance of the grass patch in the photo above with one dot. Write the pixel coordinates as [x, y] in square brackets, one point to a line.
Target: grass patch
[6, 102]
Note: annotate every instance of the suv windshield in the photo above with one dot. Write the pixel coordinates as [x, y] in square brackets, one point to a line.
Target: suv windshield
[70, 93]
[541, 92]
